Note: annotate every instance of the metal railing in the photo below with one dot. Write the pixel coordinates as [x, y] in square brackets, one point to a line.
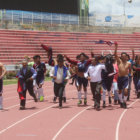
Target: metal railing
[23, 17]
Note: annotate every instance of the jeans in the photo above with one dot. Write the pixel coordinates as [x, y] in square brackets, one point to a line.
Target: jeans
[58, 91]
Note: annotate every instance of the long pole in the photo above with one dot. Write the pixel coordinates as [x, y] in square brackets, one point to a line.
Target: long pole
[124, 14]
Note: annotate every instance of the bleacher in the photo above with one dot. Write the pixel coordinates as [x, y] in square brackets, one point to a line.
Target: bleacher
[15, 44]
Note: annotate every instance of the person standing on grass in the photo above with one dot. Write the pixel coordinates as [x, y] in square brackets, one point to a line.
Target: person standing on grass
[2, 73]
[40, 67]
[124, 68]
[60, 75]
[25, 76]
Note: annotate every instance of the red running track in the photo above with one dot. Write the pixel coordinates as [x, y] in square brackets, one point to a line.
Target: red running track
[45, 121]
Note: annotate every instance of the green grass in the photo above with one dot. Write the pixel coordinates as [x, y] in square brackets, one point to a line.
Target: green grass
[10, 81]
[14, 81]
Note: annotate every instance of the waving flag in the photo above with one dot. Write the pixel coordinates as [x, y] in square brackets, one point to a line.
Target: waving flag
[110, 43]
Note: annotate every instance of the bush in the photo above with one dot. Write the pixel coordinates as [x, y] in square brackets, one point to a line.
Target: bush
[11, 75]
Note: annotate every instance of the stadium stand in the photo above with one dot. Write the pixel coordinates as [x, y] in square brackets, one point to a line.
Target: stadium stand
[15, 44]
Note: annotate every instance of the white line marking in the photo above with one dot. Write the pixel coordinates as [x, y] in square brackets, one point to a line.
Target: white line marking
[119, 121]
[66, 124]
[10, 98]
[16, 123]
[29, 102]
[19, 104]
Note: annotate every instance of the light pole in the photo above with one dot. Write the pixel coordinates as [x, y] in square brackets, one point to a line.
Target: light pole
[124, 4]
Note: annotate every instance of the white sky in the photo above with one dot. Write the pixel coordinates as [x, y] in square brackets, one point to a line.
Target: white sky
[114, 7]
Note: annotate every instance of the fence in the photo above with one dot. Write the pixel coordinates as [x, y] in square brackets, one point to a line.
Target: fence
[24, 17]
[30, 18]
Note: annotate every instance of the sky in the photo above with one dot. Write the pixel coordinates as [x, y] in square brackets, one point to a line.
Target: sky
[114, 7]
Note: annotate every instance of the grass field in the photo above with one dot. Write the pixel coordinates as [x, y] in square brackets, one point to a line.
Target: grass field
[14, 81]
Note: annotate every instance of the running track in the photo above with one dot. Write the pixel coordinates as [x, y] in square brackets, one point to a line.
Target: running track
[45, 121]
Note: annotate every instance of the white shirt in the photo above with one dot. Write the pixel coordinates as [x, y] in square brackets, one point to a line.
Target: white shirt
[59, 78]
[95, 72]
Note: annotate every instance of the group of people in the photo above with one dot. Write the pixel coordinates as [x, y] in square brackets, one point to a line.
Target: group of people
[108, 74]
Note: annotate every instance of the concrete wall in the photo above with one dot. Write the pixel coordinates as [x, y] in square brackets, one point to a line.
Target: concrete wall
[71, 28]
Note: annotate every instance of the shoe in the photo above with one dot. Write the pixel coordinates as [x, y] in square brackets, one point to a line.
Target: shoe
[64, 99]
[121, 105]
[128, 98]
[22, 108]
[54, 99]
[41, 98]
[85, 101]
[124, 105]
[95, 105]
[109, 100]
[60, 107]
[98, 108]
[104, 104]
[79, 102]
[35, 99]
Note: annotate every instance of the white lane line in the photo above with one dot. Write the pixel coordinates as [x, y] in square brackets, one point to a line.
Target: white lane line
[8, 92]
[119, 121]
[66, 124]
[13, 106]
[17, 96]
[10, 98]
[16, 123]
[28, 102]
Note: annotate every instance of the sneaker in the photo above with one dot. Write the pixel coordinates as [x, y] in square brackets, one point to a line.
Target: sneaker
[54, 99]
[41, 98]
[35, 99]
[121, 105]
[98, 108]
[95, 105]
[60, 107]
[22, 108]
[79, 102]
[85, 101]
[104, 104]
[109, 100]
[64, 99]
[124, 105]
